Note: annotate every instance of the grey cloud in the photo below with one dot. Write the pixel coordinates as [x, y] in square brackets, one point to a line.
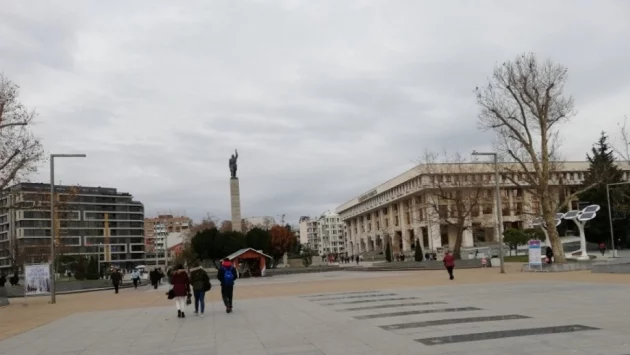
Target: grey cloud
[324, 100]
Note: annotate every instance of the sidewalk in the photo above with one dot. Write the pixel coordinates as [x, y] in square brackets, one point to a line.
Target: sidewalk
[18, 318]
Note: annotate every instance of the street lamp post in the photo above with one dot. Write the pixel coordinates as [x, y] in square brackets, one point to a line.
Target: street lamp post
[612, 233]
[498, 197]
[52, 219]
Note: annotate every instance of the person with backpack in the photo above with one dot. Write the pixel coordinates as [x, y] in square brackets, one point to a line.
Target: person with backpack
[227, 275]
[200, 282]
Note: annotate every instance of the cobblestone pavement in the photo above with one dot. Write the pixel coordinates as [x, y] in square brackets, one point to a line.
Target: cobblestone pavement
[481, 312]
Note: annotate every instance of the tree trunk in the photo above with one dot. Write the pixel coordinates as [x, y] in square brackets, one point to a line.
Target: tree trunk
[458, 243]
[556, 244]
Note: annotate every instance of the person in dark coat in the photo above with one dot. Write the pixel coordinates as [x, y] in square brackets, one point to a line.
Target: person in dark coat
[155, 278]
[181, 289]
[227, 275]
[549, 255]
[200, 282]
[116, 278]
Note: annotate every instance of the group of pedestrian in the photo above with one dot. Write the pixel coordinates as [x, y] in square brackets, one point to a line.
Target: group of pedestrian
[196, 282]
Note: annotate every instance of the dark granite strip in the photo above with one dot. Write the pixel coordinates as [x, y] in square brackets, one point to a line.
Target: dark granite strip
[339, 294]
[503, 334]
[359, 296]
[371, 301]
[397, 305]
[426, 311]
[451, 321]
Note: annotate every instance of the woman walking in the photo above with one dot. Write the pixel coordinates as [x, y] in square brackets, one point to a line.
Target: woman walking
[449, 264]
[200, 284]
[181, 289]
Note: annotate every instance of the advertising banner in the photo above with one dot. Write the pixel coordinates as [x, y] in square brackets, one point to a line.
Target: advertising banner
[36, 279]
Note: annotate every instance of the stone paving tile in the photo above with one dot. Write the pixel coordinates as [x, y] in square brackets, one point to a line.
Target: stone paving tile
[370, 301]
[299, 326]
[356, 296]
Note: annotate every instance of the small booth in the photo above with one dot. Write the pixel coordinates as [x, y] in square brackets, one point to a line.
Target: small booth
[249, 262]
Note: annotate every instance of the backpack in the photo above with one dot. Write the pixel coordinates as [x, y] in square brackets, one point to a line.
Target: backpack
[228, 276]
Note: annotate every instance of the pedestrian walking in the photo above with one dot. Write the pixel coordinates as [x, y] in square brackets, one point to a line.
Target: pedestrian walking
[227, 275]
[135, 277]
[200, 282]
[116, 278]
[181, 289]
[602, 248]
[154, 275]
[449, 263]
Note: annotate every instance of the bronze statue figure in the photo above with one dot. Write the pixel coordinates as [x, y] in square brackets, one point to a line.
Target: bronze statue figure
[233, 164]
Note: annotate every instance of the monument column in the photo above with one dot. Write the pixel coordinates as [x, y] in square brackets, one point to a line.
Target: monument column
[235, 202]
[235, 194]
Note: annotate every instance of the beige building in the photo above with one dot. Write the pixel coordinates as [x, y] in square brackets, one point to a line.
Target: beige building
[420, 203]
[158, 228]
[324, 233]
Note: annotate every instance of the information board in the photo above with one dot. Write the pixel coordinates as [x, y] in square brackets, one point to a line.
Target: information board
[535, 255]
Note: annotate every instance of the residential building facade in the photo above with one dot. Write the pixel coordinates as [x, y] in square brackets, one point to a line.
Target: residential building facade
[157, 229]
[324, 233]
[420, 205]
[90, 221]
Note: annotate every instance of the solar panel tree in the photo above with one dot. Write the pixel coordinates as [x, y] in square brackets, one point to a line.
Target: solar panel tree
[580, 218]
[539, 222]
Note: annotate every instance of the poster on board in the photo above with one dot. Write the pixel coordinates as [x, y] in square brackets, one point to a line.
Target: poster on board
[535, 255]
[36, 279]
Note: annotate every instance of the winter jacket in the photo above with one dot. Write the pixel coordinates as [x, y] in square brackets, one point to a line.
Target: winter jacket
[226, 265]
[181, 283]
[449, 260]
[116, 277]
[199, 279]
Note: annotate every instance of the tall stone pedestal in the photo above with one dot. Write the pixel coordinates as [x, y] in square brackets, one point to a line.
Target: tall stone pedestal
[235, 202]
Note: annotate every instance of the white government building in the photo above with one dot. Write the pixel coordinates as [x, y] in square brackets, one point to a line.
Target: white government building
[403, 209]
[324, 233]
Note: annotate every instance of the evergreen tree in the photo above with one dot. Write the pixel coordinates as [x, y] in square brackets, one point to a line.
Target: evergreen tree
[79, 273]
[418, 255]
[602, 171]
[92, 270]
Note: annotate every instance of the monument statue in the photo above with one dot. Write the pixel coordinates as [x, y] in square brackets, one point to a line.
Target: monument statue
[233, 165]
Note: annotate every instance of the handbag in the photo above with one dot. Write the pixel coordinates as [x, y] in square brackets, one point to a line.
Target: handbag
[188, 300]
[170, 294]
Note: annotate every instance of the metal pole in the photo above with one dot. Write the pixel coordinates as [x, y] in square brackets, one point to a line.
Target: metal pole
[52, 229]
[499, 213]
[612, 233]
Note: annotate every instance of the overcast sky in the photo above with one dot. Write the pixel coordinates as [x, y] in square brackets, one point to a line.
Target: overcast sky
[324, 99]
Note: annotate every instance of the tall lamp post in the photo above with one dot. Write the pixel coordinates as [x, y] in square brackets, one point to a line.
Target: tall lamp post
[610, 220]
[52, 219]
[498, 197]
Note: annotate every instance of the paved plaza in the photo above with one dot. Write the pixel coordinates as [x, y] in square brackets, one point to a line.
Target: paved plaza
[514, 317]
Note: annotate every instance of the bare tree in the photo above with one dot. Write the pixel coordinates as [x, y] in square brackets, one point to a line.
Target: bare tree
[524, 104]
[20, 151]
[457, 192]
[226, 226]
[623, 148]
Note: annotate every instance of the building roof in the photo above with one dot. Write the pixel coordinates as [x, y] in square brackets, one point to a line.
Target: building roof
[243, 251]
[471, 168]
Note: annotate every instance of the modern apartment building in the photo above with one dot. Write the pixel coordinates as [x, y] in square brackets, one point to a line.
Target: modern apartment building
[157, 229]
[412, 206]
[90, 221]
[324, 233]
